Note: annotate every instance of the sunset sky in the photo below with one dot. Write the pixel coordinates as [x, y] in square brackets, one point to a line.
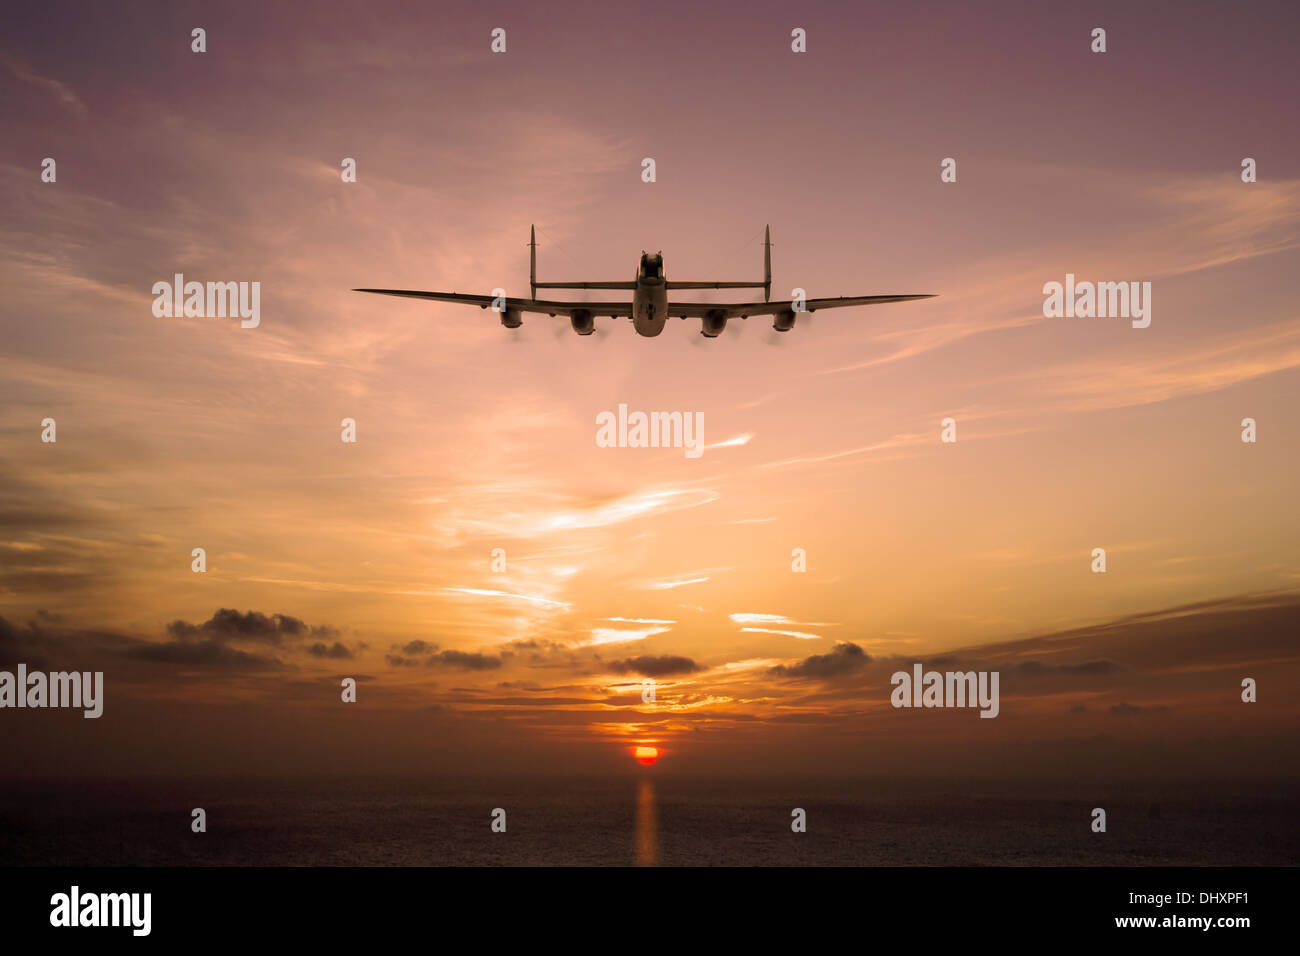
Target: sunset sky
[373, 560]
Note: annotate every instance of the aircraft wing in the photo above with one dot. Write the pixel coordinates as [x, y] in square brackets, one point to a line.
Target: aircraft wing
[613, 309]
[692, 310]
[697, 310]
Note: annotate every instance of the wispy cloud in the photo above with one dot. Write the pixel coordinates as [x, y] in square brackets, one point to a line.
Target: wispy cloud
[530, 598]
[752, 620]
[61, 92]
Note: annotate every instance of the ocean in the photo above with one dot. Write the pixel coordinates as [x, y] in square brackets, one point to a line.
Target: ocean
[649, 819]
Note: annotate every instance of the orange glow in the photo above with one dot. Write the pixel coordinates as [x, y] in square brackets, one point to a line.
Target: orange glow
[646, 755]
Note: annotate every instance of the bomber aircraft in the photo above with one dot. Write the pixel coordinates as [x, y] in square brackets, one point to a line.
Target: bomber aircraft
[650, 306]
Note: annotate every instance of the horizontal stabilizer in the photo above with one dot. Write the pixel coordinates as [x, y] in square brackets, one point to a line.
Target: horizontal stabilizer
[584, 285]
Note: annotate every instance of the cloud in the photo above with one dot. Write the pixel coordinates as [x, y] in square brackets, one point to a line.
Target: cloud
[66, 96]
[228, 624]
[22, 644]
[446, 660]
[768, 630]
[463, 661]
[573, 515]
[1095, 668]
[1175, 372]
[38, 643]
[488, 592]
[210, 645]
[843, 659]
[914, 440]
[1125, 709]
[418, 647]
[746, 618]
[731, 442]
[545, 654]
[756, 619]
[668, 584]
[210, 654]
[617, 635]
[666, 665]
[321, 649]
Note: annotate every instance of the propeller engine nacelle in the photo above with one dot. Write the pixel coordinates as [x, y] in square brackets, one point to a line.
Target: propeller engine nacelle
[714, 321]
[512, 318]
[583, 322]
[783, 321]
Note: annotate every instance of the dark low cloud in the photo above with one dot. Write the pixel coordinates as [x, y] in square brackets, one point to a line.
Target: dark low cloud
[446, 660]
[843, 659]
[45, 642]
[666, 665]
[544, 654]
[228, 624]
[1126, 709]
[211, 645]
[321, 649]
[208, 654]
[1098, 668]
[418, 647]
[22, 644]
[463, 660]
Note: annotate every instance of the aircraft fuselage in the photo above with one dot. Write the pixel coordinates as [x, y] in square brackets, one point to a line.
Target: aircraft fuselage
[650, 297]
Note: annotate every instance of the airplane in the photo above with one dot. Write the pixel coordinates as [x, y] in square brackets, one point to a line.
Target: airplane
[650, 308]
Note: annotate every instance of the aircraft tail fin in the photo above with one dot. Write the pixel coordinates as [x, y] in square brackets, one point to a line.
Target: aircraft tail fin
[767, 263]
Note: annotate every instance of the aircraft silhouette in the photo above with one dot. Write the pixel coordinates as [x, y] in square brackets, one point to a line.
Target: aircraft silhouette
[650, 308]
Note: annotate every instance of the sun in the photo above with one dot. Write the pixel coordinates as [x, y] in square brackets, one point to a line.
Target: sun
[646, 755]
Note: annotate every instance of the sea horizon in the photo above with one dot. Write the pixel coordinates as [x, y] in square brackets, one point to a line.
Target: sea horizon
[646, 819]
